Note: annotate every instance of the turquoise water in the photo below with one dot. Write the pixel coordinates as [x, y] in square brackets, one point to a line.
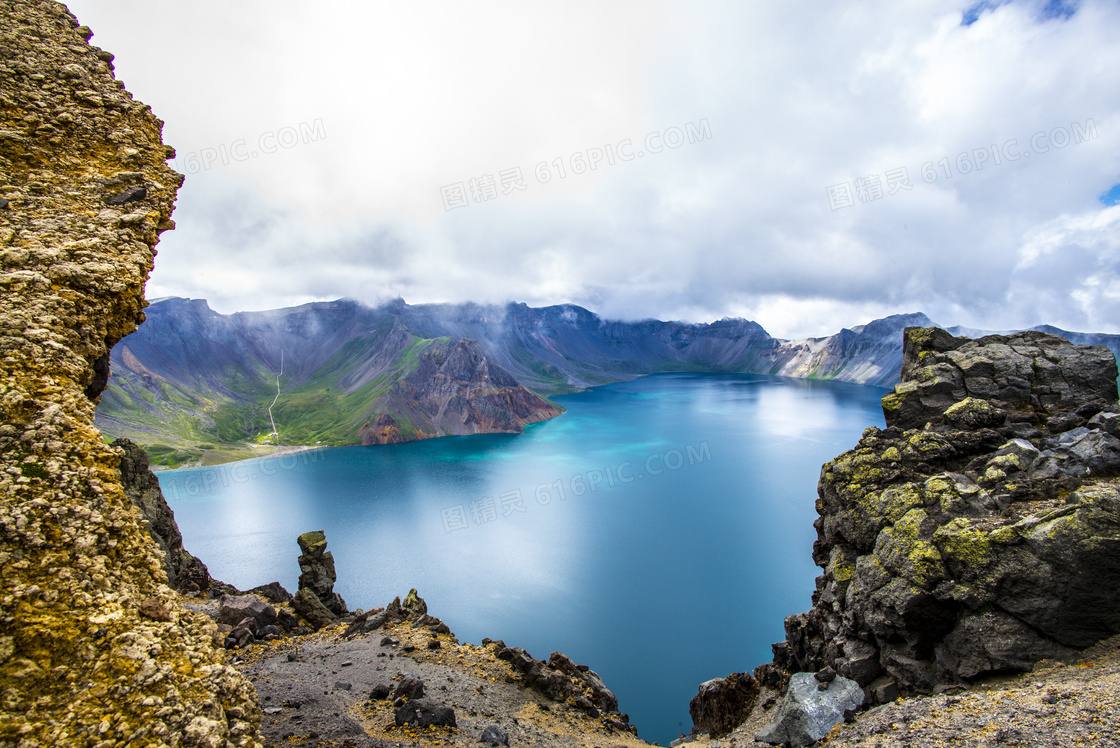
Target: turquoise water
[659, 531]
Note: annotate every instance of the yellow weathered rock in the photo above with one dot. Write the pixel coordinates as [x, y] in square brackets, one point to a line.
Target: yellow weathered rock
[86, 192]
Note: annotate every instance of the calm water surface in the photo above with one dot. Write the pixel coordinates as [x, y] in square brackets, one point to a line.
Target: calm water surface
[659, 531]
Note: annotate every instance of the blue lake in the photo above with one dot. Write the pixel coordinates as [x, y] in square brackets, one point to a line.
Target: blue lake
[659, 531]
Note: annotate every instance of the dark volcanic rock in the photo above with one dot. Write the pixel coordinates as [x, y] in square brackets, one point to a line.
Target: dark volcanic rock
[273, 592]
[1036, 373]
[408, 687]
[1108, 422]
[560, 678]
[424, 713]
[368, 621]
[317, 574]
[233, 610]
[413, 608]
[185, 573]
[586, 679]
[313, 611]
[993, 641]
[285, 620]
[128, 196]
[957, 547]
[722, 704]
[495, 735]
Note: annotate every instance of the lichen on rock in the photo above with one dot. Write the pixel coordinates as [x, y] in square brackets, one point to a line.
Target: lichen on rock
[317, 576]
[977, 533]
[94, 648]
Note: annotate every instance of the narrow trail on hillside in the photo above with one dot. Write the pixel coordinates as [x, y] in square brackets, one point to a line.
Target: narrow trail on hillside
[275, 433]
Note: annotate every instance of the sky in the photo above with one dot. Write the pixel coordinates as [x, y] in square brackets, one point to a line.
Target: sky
[809, 166]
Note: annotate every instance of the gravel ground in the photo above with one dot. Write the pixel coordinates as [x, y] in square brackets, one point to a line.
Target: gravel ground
[1055, 706]
[315, 691]
[1077, 704]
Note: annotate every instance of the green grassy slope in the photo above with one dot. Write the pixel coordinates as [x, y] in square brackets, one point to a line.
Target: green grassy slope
[178, 428]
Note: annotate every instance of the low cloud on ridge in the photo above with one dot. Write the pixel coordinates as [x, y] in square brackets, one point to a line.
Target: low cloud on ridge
[385, 105]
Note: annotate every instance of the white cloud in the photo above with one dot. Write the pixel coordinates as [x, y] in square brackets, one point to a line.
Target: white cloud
[798, 96]
[1068, 272]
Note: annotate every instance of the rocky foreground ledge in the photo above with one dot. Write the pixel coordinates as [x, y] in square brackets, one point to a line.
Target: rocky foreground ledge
[397, 676]
[326, 675]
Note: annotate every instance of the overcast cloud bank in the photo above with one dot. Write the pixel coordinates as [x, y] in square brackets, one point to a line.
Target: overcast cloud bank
[976, 141]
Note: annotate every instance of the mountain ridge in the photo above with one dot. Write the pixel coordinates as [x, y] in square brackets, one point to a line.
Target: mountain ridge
[192, 384]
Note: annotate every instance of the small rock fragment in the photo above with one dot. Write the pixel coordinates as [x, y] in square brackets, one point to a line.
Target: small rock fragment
[495, 735]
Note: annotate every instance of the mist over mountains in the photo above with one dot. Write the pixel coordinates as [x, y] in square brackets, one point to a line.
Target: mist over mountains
[191, 379]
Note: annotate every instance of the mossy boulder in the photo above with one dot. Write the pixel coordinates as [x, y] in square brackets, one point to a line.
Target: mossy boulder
[972, 412]
[414, 605]
[317, 573]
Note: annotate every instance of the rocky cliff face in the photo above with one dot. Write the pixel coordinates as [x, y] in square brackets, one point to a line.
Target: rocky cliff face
[980, 531]
[457, 390]
[868, 354]
[185, 573]
[93, 648]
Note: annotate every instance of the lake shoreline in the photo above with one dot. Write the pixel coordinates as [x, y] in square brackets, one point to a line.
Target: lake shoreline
[272, 452]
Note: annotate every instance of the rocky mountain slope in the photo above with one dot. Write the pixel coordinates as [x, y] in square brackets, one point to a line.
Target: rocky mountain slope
[455, 389]
[867, 354]
[194, 385]
[94, 648]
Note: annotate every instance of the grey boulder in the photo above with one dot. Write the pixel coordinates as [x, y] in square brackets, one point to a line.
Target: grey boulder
[233, 610]
[808, 713]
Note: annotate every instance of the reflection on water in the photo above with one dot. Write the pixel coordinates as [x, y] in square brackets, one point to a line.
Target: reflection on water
[659, 531]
